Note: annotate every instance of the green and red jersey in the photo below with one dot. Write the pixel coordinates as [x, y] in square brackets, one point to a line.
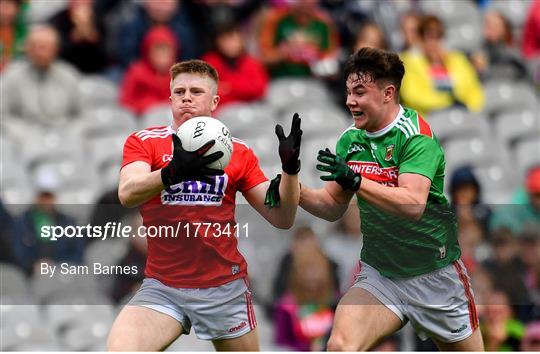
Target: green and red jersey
[396, 246]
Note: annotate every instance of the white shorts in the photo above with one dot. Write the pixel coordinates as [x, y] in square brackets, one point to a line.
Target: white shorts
[221, 312]
[439, 304]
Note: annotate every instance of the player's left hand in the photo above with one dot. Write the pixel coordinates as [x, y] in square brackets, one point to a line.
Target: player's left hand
[272, 198]
[339, 171]
[289, 146]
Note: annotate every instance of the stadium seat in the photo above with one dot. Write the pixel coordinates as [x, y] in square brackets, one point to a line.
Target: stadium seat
[51, 145]
[13, 315]
[514, 11]
[248, 120]
[62, 317]
[155, 117]
[42, 11]
[106, 252]
[514, 126]
[85, 337]
[506, 96]
[318, 121]
[190, 342]
[526, 154]
[456, 124]
[498, 183]
[97, 91]
[466, 37]
[451, 12]
[106, 150]
[284, 92]
[109, 177]
[104, 121]
[27, 335]
[474, 152]
[265, 147]
[46, 289]
[13, 282]
[16, 187]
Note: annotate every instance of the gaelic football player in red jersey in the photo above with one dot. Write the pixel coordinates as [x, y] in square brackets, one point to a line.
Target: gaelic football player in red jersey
[196, 279]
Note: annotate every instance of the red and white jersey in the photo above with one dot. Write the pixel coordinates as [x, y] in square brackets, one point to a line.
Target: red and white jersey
[190, 256]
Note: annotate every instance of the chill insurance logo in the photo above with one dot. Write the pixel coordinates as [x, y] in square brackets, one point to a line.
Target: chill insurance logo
[196, 192]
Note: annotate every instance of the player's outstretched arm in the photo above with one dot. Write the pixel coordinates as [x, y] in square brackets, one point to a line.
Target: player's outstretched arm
[285, 189]
[328, 203]
[138, 184]
[407, 200]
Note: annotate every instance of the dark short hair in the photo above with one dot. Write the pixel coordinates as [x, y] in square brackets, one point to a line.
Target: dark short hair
[430, 23]
[194, 66]
[376, 64]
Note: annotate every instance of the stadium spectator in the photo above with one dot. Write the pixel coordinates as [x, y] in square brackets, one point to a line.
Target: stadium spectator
[303, 237]
[294, 38]
[108, 209]
[518, 216]
[505, 265]
[472, 215]
[13, 29]
[41, 89]
[498, 58]
[409, 32]
[370, 35]
[242, 78]
[30, 247]
[6, 222]
[529, 244]
[342, 245]
[436, 78]
[303, 315]
[146, 82]
[531, 339]
[500, 329]
[82, 36]
[531, 32]
[150, 13]
[125, 285]
[197, 277]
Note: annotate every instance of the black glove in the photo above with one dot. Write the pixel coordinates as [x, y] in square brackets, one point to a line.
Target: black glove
[273, 198]
[289, 147]
[190, 165]
[340, 171]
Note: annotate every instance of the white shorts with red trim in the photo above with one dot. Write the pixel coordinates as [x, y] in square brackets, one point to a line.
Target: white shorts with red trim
[439, 304]
[221, 312]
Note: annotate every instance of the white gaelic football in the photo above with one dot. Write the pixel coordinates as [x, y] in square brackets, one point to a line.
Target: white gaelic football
[197, 131]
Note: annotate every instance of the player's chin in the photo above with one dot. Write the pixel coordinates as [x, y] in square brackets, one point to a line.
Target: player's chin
[360, 122]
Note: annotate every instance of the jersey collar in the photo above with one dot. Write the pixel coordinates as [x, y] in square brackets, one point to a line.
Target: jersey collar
[386, 129]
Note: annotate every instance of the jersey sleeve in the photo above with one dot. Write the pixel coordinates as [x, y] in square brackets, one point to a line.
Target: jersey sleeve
[136, 150]
[421, 155]
[252, 174]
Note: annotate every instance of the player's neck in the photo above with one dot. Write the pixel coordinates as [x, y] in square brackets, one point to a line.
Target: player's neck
[388, 118]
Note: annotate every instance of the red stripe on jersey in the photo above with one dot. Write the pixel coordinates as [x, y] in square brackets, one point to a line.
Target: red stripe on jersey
[425, 129]
[473, 317]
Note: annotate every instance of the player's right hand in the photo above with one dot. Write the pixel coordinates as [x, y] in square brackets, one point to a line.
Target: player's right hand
[339, 171]
[190, 165]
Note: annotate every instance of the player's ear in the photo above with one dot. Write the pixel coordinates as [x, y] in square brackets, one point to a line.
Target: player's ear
[215, 102]
[389, 93]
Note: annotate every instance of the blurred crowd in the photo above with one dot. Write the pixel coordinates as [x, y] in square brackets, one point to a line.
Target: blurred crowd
[472, 68]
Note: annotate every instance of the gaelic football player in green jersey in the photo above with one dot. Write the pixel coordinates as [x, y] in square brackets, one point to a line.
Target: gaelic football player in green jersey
[410, 261]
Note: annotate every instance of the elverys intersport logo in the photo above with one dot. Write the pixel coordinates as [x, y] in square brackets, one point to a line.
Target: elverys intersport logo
[196, 192]
[383, 175]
